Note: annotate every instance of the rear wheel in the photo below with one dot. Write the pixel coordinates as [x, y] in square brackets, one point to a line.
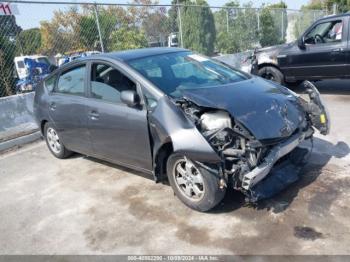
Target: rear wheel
[194, 186]
[271, 73]
[54, 142]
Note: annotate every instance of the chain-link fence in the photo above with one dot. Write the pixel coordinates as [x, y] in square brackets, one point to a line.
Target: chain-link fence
[44, 33]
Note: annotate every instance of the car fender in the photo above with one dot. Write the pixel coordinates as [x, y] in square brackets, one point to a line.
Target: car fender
[168, 124]
[266, 59]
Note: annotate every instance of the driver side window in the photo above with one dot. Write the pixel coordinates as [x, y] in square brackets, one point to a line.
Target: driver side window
[107, 83]
[328, 32]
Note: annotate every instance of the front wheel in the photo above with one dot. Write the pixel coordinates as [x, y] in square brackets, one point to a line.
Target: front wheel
[271, 73]
[54, 142]
[195, 186]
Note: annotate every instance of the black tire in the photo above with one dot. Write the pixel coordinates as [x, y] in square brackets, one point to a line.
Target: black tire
[212, 193]
[63, 152]
[272, 73]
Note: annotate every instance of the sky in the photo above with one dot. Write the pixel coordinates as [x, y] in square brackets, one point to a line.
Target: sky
[31, 14]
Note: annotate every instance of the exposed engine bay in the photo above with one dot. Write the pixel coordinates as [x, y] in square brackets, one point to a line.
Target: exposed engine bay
[257, 168]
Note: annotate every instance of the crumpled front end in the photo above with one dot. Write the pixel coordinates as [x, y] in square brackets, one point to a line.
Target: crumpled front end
[259, 168]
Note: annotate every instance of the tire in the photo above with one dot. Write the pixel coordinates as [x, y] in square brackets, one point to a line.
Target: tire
[53, 142]
[271, 73]
[199, 180]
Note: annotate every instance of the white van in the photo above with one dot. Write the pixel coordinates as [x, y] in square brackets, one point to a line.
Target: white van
[20, 66]
[173, 40]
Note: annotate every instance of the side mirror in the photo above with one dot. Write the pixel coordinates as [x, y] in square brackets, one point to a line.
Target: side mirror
[301, 42]
[131, 98]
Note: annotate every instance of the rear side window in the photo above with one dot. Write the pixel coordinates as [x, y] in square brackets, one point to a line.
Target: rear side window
[50, 83]
[72, 81]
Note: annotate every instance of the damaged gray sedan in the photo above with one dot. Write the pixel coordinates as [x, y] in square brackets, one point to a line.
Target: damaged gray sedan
[179, 115]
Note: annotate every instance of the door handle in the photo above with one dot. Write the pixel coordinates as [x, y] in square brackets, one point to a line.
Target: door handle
[94, 115]
[52, 106]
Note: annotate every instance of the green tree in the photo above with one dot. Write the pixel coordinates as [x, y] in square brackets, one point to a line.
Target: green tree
[9, 27]
[343, 6]
[198, 27]
[60, 34]
[237, 28]
[273, 24]
[309, 13]
[156, 26]
[128, 38]
[8, 36]
[269, 33]
[173, 15]
[7, 54]
[280, 17]
[29, 41]
[88, 31]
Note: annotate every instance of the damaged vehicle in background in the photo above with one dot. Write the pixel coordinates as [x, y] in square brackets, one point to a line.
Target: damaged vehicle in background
[172, 113]
[321, 52]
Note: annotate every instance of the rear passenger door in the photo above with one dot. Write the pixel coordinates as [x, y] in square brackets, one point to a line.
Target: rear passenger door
[68, 108]
[119, 133]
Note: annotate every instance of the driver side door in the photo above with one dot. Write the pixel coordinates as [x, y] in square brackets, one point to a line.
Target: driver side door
[325, 57]
[118, 132]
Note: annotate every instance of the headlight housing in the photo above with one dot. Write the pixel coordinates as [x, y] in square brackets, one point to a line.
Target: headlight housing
[213, 120]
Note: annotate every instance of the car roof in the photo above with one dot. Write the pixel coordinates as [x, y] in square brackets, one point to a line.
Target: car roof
[29, 56]
[139, 53]
[334, 16]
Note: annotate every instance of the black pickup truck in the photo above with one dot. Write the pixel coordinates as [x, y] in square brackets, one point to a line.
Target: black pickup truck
[321, 52]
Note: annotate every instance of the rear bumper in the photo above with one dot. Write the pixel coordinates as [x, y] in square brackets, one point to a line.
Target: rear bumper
[253, 177]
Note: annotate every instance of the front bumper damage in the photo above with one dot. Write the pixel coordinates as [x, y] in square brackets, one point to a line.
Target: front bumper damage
[258, 168]
[280, 168]
[253, 177]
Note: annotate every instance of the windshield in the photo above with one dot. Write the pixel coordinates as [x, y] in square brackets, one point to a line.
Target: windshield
[43, 60]
[178, 71]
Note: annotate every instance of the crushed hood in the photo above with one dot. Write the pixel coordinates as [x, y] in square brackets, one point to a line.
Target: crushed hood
[267, 110]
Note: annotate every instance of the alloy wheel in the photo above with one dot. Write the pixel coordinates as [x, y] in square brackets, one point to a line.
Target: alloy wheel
[188, 179]
[53, 140]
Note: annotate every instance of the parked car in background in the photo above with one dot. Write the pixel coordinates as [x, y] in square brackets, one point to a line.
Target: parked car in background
[172, 113]
[21, 63]
[30, 71]
[321, 52]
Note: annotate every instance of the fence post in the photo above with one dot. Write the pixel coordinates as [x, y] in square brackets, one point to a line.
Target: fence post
[282, 25]
[227, 25]
[98, 28]
[180, 23]
[258, 17]
[335, 7]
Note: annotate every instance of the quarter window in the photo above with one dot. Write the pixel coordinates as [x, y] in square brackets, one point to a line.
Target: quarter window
[107, 83]
[72, 81]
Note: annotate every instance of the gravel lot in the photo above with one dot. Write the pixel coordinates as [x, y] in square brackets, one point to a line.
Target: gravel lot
[85, 206]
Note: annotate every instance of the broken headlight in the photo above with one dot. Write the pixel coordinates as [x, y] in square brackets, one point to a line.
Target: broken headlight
[214, 120]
